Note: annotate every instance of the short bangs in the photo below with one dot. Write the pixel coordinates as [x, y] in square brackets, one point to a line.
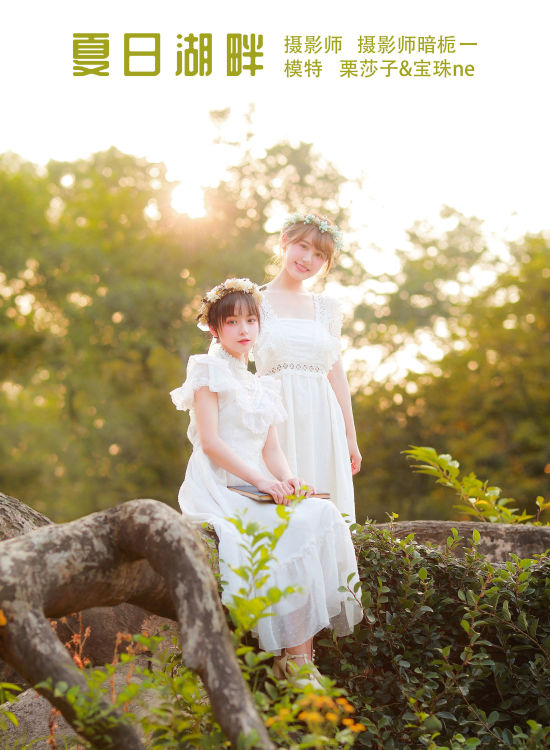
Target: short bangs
[234, 303]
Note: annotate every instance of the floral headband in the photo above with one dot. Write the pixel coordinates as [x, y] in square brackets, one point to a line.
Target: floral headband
[322, 225]
[220, 291]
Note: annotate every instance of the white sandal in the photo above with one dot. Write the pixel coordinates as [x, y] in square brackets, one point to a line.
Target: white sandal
[285, 668]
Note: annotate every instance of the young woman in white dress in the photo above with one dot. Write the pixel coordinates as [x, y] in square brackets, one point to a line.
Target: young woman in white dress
[233, 414]
[299, 344]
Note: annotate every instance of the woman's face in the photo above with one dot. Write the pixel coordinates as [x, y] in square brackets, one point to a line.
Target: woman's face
[238, 333]
[302, 259]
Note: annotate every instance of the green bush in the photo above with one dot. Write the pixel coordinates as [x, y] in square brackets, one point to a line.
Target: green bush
[451, 653]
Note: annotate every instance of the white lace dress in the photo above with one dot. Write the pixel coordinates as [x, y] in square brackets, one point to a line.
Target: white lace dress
[315, 552]
[299, 353]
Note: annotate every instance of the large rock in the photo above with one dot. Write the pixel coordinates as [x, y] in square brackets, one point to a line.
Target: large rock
[498, 540]
[104, 624]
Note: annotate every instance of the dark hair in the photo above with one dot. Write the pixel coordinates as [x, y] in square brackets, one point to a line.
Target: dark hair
[231, 304]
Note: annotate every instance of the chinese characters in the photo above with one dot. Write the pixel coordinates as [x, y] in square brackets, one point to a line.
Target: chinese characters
[305, 56]
[380, 56]
[142, 54]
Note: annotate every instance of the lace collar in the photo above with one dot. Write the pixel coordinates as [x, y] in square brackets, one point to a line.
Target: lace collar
[236, 365]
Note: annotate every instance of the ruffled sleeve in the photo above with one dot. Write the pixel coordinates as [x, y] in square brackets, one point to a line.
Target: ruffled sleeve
[203, 369]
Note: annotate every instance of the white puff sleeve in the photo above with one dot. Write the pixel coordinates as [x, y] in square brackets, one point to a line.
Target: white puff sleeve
[203, 369]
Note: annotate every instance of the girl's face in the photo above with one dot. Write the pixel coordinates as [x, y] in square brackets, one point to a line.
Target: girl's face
[238, 333]
[302, 259]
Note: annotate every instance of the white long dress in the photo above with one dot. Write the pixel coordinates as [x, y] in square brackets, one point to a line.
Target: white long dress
[315, 552]
[299, 353]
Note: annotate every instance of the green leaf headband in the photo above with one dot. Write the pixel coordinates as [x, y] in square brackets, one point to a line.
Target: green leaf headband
[322, 225]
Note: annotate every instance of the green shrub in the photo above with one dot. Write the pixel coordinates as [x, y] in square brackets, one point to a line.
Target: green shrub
[451, 653]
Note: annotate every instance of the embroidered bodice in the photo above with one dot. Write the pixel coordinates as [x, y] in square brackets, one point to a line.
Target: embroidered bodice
[301, 345]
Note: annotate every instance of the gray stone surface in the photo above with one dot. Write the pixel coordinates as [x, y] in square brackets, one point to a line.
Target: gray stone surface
[498, 540]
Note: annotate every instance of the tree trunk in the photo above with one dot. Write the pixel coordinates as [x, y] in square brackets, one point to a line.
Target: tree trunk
[142, 552]
[16, 518]
[104, 623]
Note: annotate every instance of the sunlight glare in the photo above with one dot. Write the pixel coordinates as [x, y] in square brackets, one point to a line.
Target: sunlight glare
[188, 199]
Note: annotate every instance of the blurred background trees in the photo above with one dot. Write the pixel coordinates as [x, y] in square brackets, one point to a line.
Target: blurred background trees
[99, 280]
[486, 399]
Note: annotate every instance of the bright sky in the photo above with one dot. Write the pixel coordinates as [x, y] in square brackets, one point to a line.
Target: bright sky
[479, 144]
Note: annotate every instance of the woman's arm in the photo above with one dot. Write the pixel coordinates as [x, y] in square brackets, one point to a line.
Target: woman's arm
[274, 458]
[276, 462]
[206, 416]
[339, 383]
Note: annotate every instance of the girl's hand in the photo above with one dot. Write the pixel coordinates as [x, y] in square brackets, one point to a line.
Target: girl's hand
[279, 491]
[355, 456]
[298, 485]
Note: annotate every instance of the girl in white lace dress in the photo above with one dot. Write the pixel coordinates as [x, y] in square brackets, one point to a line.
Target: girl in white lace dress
[299, 344]
[233, 414]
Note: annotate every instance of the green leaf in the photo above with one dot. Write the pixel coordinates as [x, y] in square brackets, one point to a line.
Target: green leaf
[60, 688]
[369, 616]
[433, 724]
[522, 622]
[10, 716]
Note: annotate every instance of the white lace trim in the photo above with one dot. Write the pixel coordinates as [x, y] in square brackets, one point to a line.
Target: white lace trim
[330, 314]
[297, 367]
[267, 313]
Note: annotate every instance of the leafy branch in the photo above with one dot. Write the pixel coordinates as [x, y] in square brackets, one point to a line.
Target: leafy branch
[477, 497]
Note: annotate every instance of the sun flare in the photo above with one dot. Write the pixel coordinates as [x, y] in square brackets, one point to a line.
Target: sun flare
[188, 199]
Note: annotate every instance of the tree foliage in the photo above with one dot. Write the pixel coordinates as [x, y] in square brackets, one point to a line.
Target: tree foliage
[485, 400]
[99, 282]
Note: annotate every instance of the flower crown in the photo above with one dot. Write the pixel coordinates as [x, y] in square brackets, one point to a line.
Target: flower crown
[220, 291]
[322, 225]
